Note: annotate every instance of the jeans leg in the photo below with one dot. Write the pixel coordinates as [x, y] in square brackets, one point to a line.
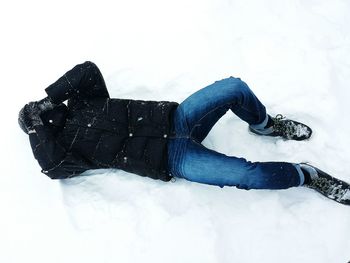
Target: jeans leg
[205, 107]
[202, 165]
[193, 120]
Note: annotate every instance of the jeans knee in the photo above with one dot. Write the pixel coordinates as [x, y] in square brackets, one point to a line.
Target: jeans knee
[240, 86]
[237, 89]
[235, 84]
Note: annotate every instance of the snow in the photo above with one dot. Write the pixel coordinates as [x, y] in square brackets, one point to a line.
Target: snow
[346, 196]
[302, 131]
[293, 54]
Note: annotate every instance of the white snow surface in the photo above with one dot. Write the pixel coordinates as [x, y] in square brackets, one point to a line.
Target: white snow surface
[294, 55]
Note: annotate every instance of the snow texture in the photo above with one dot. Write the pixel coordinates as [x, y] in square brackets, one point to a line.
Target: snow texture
[346, 196]
[294, 54]
[301, 131]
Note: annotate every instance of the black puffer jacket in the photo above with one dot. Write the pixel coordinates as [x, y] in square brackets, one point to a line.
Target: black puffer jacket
[95, 131]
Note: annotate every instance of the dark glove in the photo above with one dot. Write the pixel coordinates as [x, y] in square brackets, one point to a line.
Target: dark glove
[45, 104]
[29, 115]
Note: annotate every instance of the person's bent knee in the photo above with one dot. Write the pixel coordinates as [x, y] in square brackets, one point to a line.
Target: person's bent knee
[235, 84]
[237, 87]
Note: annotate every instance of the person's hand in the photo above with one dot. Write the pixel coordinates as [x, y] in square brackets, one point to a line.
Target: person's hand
[45, 105]
[29, 115]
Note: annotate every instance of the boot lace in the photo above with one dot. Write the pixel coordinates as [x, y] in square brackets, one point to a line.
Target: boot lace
[282, 126]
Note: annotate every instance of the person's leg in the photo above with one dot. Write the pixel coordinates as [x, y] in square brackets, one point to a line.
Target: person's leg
[193, 120]
[205, 107]
[202, 165]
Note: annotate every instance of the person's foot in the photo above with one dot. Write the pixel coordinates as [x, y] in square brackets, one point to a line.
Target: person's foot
[325, 184]
[285, 128]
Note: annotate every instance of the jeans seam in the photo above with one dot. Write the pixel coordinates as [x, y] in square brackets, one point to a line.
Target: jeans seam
[181, 156]
[180, 141]
[185, 118]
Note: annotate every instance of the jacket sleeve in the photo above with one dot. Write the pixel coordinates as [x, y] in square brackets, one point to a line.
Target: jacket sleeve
[83, 81]
[54, 160]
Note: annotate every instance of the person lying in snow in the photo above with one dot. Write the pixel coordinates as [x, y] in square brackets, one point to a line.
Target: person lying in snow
[160, 139]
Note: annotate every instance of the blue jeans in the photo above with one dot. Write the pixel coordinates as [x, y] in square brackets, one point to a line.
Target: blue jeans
[193, 120]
